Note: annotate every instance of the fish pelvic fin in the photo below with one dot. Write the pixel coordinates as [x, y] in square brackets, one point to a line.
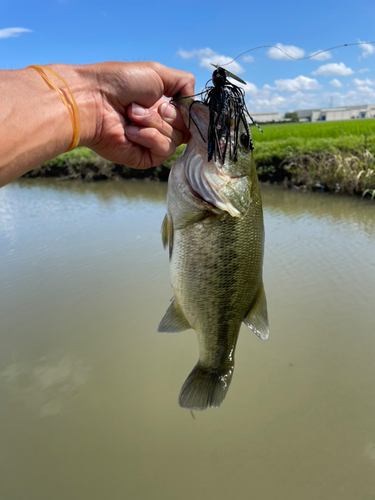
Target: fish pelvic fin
[173, 320]
[257, 317]
[205, 388]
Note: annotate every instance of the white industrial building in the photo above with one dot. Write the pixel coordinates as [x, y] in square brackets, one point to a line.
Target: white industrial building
[335, 114]
[273, 116]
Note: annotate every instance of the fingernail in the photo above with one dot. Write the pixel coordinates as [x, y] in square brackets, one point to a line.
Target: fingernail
[131, 130]
[138, 110]
[168, 111]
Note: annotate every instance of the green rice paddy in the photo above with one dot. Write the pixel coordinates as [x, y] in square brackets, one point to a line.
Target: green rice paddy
[321, 130]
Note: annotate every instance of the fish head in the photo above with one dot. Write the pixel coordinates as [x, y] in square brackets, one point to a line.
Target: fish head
[225, 184]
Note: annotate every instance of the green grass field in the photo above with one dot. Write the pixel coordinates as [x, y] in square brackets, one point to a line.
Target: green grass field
[322, 130]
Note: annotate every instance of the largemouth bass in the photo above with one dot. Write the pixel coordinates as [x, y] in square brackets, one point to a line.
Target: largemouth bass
[215, 234]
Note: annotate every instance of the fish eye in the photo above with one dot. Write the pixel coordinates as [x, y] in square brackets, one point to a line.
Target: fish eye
[244, 140]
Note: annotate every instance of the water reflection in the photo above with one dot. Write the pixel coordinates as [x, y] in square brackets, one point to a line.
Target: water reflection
[88, 389]
[133, 190]
[332, 209]
[370, 452]
[47, 387]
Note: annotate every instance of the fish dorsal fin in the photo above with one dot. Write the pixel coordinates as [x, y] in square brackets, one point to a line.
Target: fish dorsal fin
[257, 318]
[167, 234]
[173, 320]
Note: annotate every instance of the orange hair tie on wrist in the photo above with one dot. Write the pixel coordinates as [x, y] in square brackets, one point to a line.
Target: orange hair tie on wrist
[71, 107]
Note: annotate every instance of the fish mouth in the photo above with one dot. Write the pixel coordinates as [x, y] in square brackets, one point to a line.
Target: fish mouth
[196, 116]
[221, 187]
[194, 113]
[226, 193]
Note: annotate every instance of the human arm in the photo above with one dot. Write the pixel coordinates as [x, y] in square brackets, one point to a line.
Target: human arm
[35, 125]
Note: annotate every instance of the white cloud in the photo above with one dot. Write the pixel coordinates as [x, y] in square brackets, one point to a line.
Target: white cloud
[333, 69]
[363, 70]
[186, 54]
[207, 57]
[13, 32]
[323, 56]
[291, 102]
[291, 50]
[248, 59]
[299, 83]
[361, 95]
[361, 83]
[266, 100]
[367, 49]
[270, 98]
[271, 103]
[250, 88]
[335, 83]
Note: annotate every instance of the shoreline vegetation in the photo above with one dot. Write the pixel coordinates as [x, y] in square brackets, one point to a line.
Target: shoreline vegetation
[338, 157]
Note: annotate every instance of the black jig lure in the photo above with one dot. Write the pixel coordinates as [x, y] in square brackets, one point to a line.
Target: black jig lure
[226, 102]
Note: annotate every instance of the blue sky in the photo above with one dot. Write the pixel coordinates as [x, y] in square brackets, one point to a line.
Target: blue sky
[189, 36]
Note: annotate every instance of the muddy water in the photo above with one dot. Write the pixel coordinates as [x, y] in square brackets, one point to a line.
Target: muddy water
[88, 389]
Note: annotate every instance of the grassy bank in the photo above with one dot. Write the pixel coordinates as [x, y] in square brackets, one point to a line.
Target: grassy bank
[333, 156]
[82, 163]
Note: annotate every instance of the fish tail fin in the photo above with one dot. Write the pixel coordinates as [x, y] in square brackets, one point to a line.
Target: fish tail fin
[205, 387]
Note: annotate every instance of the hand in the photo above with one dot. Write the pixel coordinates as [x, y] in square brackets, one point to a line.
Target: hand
[132, 92]
[35, 125]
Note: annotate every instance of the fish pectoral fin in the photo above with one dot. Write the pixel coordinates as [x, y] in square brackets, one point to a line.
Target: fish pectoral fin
[173, 320]
[165, 231]
[257, 318]
[186, 219]
[167, 234]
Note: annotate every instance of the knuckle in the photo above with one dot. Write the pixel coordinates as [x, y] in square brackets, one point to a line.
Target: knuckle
[154, 65]
[191, 79]
[154, 135]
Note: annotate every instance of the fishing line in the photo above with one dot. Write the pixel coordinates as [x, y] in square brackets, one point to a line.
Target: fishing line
[296, 58]
[227, 107]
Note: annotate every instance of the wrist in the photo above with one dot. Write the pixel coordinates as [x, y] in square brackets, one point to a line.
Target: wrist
[81, 81]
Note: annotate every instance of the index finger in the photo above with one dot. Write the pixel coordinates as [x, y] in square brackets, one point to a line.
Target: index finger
[174, 80]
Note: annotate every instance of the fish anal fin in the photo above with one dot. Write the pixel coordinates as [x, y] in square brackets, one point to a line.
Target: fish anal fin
[257, 318]
[173, 320]
[167, 234]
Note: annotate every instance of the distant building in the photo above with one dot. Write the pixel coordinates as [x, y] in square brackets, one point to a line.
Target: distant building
[272, 116]
[336, 114]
